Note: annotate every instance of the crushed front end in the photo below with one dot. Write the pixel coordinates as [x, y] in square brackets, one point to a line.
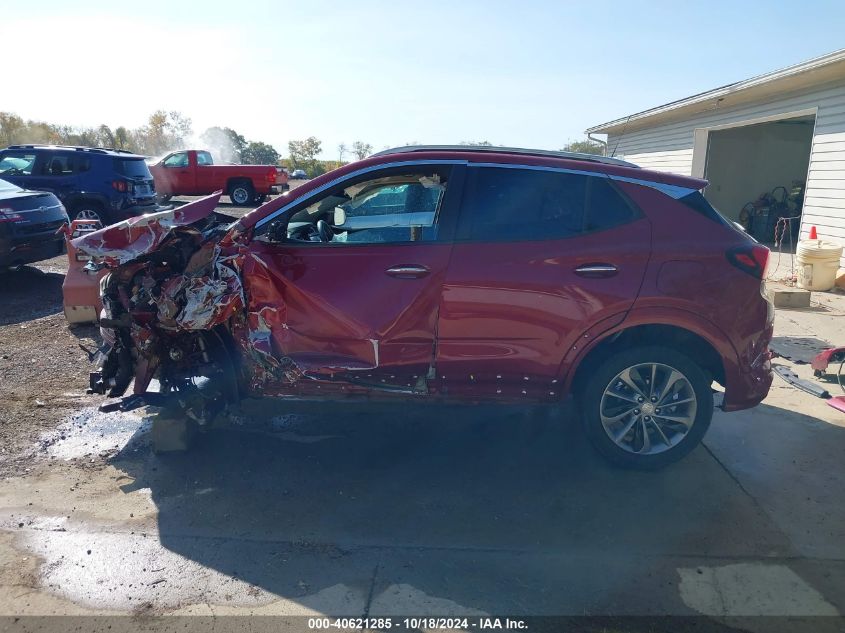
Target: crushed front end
[170, 289]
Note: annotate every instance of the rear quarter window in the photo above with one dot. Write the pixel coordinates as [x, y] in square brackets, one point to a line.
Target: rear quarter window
[698, 203]
[607, 207]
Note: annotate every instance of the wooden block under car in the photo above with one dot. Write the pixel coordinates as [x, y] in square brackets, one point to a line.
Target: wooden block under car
[790, 297]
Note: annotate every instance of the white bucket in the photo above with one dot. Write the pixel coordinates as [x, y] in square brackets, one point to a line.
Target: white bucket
[818, 262]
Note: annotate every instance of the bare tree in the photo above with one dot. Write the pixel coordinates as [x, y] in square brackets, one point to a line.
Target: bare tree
[341, 150]
[361, 149]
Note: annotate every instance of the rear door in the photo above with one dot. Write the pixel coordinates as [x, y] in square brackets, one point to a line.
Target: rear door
[54, 171]
[360, 309]
[543, 260]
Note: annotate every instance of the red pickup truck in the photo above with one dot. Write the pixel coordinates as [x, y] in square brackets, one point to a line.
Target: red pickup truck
[193, 173]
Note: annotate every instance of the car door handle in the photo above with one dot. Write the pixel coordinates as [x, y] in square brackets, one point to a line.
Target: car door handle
[407, 271]
[596, 270]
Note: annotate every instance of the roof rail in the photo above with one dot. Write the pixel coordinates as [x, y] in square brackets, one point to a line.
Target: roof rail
[78, 148]
[507, 150]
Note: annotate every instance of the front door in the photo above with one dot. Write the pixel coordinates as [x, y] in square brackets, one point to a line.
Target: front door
[541, 259]
[348, 282]
[176, 176]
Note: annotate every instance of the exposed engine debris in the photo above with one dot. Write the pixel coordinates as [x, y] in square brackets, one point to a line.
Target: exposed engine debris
[170, 289]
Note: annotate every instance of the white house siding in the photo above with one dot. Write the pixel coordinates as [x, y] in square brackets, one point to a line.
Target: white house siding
[669, 147]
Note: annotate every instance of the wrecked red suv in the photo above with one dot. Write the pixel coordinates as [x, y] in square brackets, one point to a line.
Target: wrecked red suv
[449, 273]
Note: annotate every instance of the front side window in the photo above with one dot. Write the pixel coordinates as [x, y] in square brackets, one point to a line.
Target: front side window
[17, 163]
[396, 208]
[204, 158]
[177, 160]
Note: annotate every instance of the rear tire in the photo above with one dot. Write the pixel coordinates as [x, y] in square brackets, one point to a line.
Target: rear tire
[646, 407]
[241, 193]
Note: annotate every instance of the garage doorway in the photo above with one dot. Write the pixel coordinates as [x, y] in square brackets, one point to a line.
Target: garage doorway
[758, 173]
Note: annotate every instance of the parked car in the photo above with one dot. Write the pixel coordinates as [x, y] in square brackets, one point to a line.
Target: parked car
[29, 225]
[299, 174]
[102, 185]
[454, 273]
[193, 173]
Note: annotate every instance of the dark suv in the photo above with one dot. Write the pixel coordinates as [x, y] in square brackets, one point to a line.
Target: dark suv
[453, 273]
[104, 185]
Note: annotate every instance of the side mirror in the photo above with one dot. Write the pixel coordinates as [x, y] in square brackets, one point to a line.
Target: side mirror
[339, 216]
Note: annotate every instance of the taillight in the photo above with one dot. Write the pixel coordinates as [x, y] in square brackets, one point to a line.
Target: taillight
[120, 185]
[751, 259]
[271, 176]
[7, 215]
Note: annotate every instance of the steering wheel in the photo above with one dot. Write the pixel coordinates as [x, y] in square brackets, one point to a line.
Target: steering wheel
[324, 231]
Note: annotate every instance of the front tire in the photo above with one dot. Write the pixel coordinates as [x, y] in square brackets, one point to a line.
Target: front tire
[646, 407]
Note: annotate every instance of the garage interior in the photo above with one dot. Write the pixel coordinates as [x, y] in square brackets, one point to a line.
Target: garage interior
[758, 174]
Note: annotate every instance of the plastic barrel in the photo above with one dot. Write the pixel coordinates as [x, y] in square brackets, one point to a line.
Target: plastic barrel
[818, 261]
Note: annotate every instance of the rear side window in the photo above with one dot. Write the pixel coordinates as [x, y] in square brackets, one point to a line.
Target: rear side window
[204, 158]
[57, 165]
[504, 204]
[132, 167]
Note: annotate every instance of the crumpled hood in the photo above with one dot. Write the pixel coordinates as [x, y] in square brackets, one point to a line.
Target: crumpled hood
[122, 242]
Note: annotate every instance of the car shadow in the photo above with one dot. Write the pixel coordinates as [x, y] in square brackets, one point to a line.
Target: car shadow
[495, 509]
[28, 293]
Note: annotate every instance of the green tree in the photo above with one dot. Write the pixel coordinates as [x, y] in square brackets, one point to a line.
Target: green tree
[361, 149]
[105, 138]
[258, 153]
[477, 143]
[121, 138]
[303, 155]
[585, 146]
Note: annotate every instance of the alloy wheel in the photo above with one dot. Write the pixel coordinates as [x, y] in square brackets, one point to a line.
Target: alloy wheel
[648, 408]
[89, 215]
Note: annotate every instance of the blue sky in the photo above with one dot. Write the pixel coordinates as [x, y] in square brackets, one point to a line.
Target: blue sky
[532, 74]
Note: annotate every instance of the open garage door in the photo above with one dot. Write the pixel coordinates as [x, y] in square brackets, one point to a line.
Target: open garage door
[758, 173]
